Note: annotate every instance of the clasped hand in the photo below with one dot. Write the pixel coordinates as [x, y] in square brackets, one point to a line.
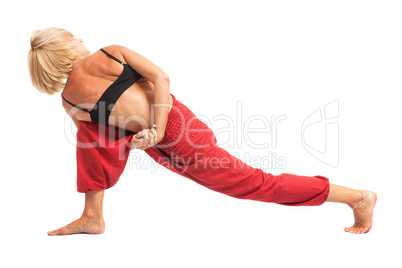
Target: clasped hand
[145, 139]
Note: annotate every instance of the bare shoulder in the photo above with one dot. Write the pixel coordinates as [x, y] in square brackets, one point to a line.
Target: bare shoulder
[116, 51]
[114, 48]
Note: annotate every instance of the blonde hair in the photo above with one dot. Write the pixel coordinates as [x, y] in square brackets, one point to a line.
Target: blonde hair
[50, 59]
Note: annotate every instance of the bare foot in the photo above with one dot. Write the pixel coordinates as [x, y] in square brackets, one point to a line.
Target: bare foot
[363, 214]
[85, 224]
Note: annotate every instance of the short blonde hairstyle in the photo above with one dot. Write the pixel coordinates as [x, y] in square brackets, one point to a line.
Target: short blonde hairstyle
[50, 59]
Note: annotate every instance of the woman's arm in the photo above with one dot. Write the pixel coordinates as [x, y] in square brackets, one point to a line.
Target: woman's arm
[161, 82]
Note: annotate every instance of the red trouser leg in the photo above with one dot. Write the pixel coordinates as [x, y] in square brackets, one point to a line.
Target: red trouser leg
[217, 170]
[102, 154]
[189, 149]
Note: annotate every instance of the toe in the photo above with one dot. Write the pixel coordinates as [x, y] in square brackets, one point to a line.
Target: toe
[50, 233]
[55, 232]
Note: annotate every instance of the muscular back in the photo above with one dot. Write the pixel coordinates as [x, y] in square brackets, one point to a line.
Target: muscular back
[90, 78]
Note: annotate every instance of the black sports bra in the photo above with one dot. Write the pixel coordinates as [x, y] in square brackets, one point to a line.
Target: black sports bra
[101, 111]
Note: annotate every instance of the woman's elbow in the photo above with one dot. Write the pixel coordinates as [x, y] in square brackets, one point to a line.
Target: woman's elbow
[165, 78]
[162, 79]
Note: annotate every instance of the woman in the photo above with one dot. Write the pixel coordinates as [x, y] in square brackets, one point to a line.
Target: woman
[120, 93]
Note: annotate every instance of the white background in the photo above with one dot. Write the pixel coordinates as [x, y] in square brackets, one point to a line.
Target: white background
[279, 58]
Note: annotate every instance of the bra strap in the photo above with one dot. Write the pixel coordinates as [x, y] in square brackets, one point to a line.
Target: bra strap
[110, 56]
[76, 106]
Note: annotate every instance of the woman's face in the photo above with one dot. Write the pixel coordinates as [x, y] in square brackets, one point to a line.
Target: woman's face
[79, 47]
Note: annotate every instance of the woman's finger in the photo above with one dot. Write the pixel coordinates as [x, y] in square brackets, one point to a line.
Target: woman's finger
[151, 139]
[139, 134]
[140, 140]
[154, 134]
[146, 138]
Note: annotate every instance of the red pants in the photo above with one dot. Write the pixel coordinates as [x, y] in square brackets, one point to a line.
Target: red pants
[189, 149]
